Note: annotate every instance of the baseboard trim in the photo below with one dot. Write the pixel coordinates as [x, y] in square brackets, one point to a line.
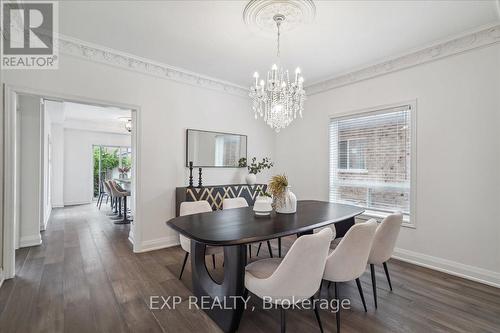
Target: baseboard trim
[46, 220]
[159, 243]
[59, 205]
[27, 241]
[75, 203]
[2, 277]
[472, 273]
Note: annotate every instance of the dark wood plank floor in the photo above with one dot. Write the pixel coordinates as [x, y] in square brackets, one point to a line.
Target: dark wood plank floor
[85, 278]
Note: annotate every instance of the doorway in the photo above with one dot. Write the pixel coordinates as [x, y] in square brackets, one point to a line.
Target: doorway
[110, 162]
[49, 166]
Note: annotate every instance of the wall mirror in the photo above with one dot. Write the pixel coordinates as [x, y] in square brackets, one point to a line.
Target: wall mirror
[214, 149]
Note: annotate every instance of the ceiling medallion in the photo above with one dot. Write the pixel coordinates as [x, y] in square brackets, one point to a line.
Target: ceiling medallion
[259, 14]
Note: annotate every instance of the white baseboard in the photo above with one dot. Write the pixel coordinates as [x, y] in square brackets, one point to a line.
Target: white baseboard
[27, 241]
[46, 220]
[58, 205]
[450, 267]
[2, 277]
[159, 243]
[131, 236]
[74, 203]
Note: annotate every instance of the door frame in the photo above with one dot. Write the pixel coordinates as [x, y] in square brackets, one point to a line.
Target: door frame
[9, 127]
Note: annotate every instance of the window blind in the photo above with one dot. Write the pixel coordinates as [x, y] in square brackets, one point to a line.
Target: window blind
[370, 159]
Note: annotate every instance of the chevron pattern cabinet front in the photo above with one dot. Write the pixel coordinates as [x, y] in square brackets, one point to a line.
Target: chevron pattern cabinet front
[216, 194]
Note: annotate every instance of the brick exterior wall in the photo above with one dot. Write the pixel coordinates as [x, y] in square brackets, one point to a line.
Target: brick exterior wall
[384, 182]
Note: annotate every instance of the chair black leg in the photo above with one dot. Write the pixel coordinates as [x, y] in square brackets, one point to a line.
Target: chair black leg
[250, 250]
[316, 313]
[99, 199]
[184, 264]
[269, 249]
[283, 320]
[374, 284]
[258, 249]
[99, 203]
[279, 247]
[213, 260]
[337, 297]
[360, 289]
[107, 198]
[387, 274]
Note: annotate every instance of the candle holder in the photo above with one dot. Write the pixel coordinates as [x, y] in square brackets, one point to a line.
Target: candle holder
[199, 178]
[191, 174]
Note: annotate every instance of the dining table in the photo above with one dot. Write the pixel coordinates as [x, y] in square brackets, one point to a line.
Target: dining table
[234, 229]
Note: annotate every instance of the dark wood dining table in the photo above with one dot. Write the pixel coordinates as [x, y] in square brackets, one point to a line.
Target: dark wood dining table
[234, 229]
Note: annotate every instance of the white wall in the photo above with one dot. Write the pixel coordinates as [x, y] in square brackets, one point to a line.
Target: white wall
[29, 186]
[78, 162]
[458, 156]
[57, 177]
[167, 108]
[47, 168]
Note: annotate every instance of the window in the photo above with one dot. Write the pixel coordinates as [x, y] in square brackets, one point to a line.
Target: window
[227, 150]
[352, 155]
[370, 159]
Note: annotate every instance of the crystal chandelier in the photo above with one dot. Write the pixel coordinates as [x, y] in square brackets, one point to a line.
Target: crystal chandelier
[277, 99]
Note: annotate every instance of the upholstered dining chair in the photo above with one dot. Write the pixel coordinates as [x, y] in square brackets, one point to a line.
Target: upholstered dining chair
[294, 278]
[230, 203]
[196, 207]
[383, 247]
[330, 226]
[348, 260]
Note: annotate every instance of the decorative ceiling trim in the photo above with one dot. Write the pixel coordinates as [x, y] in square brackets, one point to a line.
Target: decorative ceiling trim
[258, 15]
[444, 49]
[97, 53]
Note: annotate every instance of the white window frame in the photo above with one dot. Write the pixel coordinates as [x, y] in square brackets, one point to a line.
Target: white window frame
[353, 170]
[409, 220]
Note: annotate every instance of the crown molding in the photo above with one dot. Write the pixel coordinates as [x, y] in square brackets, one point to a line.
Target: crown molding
[97, 53]
[480, 38]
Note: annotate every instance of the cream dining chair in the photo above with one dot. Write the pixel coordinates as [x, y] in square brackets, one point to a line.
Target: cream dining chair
[195, 207]
[294, 278]
[348, 260]
[383, 247]
[230, 203]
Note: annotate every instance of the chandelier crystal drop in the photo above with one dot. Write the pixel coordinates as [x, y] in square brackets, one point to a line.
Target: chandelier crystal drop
[277, 99]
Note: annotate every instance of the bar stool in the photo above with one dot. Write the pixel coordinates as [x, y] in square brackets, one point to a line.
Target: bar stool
[114, 209]
[103, 192]
[120, 194]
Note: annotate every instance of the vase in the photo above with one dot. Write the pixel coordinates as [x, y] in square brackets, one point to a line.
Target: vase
[287, 204]
[263, 205]
[251, 179]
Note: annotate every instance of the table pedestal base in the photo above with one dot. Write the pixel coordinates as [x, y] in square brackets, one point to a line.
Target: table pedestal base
[229, 292]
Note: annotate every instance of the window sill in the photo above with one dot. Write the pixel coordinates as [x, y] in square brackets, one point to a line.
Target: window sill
[379, 216]
[352, 171]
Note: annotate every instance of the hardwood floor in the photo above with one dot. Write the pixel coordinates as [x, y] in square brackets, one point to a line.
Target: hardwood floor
[85, 278]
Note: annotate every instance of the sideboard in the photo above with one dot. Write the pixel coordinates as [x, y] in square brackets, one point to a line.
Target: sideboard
[215, 194]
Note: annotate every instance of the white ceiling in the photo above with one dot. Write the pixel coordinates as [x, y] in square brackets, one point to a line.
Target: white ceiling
[88, 117]
[210, 37]
[77, 111]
